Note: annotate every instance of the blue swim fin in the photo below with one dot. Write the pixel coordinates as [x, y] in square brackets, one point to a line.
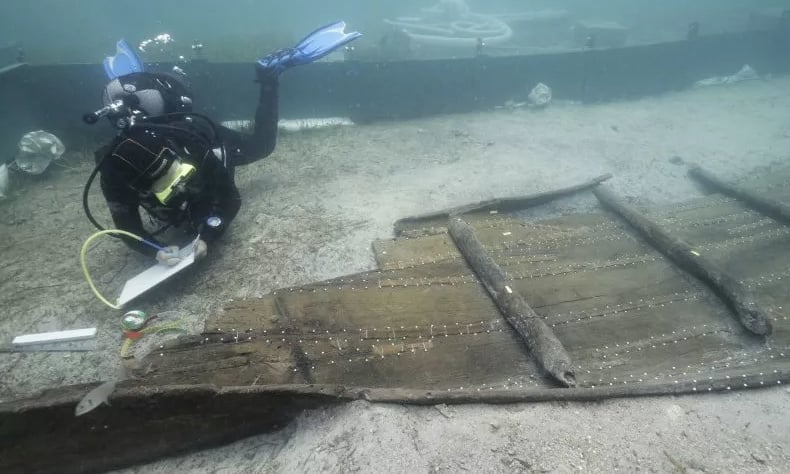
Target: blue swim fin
[124, 62]
[314, 46]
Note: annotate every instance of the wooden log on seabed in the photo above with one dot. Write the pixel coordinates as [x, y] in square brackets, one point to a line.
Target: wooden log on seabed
[500, 204]
[539, 338]
[749, 313]
[771, 208]
[41, 434]
[142, 424]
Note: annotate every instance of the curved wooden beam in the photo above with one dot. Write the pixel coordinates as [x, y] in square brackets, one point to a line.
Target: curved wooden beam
[738, 298]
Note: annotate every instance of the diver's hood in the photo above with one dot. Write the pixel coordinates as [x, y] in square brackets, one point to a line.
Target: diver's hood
[146, 94]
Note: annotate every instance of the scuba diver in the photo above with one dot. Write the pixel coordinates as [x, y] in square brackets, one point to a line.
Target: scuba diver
[179, 165]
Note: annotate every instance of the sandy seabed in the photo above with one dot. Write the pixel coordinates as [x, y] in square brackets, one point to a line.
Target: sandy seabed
[311, 211]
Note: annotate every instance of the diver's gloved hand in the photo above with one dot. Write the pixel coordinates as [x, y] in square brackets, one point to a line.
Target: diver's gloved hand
[169, 256]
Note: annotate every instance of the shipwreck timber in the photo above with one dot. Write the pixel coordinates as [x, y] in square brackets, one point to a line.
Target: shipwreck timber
[621, 311]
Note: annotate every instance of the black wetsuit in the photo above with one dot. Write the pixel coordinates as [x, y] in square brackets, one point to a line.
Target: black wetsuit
[211, 191]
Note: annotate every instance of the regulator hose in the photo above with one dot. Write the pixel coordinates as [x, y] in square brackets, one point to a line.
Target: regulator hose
[84, 252]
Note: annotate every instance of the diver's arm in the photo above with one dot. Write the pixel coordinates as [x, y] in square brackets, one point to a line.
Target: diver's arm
[224, 199]
[244, 148]
[124, 209]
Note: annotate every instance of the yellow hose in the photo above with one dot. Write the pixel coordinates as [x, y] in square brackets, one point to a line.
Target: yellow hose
[84, 252]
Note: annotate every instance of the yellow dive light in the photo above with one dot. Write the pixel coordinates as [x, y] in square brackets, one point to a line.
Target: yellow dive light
[172, 182]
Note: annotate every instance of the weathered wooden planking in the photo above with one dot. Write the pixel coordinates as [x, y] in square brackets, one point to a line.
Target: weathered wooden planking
[429, 336]
[772, 181]
[542, 345]
[555, 280]
[596, 284]
[421, 330]
[431, 239]
[682, 254]
[754, 250]
[436, 222]
[423, 320]
[438, 225]
[503, 236]
[146, 423]
[42, 435]
[220, 360]
[756, 200]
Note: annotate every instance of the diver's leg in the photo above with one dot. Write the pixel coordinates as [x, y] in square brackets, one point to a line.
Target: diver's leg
[243, 148]
[267, 113]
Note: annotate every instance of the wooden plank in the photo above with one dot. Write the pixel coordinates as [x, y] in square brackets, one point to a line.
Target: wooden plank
[503, 237]
[423, 320]
[682, 356]
[753, 249]
[539, 338]
[770, 207]
[583, 301]
[439, 336]
[770, 180]
[219, 359]
[438, 219]
[143, 423]
[403, 253]
[742, 303]
[147, 423]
